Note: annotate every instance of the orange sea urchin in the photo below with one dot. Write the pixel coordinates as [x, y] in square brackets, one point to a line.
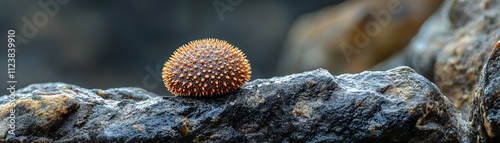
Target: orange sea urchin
[206, 67]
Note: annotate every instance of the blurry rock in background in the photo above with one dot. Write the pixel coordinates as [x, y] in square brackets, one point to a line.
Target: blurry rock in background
[452, 48]
[474, 29]
[96, 44]
[375, 29]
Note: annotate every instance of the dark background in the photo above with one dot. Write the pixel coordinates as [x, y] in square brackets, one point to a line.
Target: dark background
[106, 44]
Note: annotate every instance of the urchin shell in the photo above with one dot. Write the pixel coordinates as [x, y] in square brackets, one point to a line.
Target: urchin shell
[206, 67]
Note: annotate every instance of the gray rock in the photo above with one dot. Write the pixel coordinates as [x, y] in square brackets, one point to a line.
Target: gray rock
[397, 105]
[485, 115]
[452, 47]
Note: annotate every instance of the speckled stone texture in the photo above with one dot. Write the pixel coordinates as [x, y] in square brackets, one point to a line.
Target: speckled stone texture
[452, 47]
[397, 105]
[485, 113]
[473, 30]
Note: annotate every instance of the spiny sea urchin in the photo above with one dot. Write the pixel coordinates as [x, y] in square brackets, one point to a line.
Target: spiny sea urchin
[206, 67]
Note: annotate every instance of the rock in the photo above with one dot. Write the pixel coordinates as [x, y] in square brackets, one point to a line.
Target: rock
[453, 45]
[422, 52]
[485, 115]
[397, 105]
[353, 36]
[465, 47]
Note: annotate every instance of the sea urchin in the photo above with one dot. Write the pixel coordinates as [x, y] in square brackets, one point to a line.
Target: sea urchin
[206, 67]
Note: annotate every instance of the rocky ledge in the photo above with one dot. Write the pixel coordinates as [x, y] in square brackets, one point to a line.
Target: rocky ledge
[397, 105]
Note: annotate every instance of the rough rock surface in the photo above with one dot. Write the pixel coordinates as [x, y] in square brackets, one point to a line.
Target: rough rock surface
[453, 45]
[473, 30]
[397, 105]
[485, 115]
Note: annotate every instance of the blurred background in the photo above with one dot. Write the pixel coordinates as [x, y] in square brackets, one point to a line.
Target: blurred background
[106, 44]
